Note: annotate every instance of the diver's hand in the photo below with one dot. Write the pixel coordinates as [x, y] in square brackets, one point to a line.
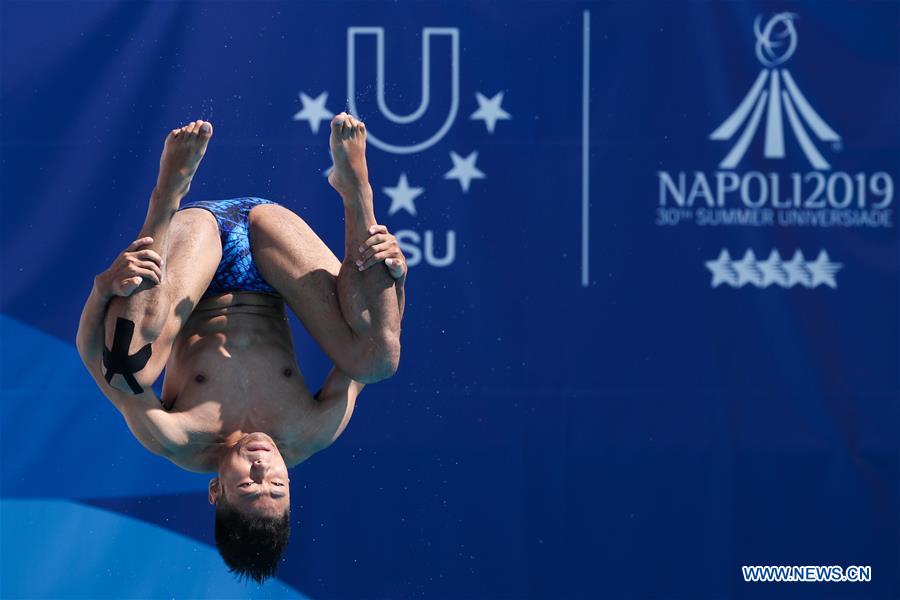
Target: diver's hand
[382, 246]
[128, 271]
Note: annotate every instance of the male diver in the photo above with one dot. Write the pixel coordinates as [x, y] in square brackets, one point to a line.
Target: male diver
[201, 293]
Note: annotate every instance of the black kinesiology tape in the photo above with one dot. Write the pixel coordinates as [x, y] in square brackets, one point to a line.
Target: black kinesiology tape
[117, 360]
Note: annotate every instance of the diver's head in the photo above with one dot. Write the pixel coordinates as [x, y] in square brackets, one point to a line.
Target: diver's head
[252, 498]
[253, 478]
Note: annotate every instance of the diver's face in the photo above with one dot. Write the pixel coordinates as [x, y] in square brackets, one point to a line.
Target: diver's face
[254, 478]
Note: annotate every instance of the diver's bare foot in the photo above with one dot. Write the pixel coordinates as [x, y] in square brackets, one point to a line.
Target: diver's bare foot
[348, 150]
[181, 156]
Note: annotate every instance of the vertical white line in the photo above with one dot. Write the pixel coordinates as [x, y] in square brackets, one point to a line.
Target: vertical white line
[585, 145]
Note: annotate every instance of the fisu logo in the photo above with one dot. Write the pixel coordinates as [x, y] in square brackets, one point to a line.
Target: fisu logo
[422, 130]
[776, 42]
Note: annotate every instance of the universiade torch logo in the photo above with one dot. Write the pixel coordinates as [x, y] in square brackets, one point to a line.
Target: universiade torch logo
[779, 189]
[776, 94]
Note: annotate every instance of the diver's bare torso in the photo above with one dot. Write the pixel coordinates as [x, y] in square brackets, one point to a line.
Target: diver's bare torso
[232, 371]
[229, 359]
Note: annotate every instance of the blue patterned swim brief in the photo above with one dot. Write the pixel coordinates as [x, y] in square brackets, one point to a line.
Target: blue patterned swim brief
[236, 271]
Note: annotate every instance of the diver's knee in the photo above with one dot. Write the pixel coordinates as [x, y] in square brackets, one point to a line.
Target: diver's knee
[126, 364]
[382, 363]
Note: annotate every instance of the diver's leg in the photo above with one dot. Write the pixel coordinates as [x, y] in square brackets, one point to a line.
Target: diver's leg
[188, 243]
[352, 314]
[368, 299]
[298, 264]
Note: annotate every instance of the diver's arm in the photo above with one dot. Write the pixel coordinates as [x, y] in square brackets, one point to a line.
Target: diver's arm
[399, 284]
[89, 339]
[334, 406]
[382, 246]
[153, 427]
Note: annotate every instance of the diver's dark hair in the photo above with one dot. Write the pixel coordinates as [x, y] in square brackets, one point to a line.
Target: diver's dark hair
[251, 546]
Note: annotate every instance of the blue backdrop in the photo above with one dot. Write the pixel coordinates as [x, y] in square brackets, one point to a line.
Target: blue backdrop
[652, 326]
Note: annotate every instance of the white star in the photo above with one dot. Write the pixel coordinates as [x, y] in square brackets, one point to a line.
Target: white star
[772, 271]
[796, 270]
[823, 270]
[721, 270]
[746, 269]
[402, 196]
[489, 110]
[464, 169]
[314, 110]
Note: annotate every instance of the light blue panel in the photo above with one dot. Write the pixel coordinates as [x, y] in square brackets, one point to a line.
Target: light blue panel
[57, 426]
[61, 549]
